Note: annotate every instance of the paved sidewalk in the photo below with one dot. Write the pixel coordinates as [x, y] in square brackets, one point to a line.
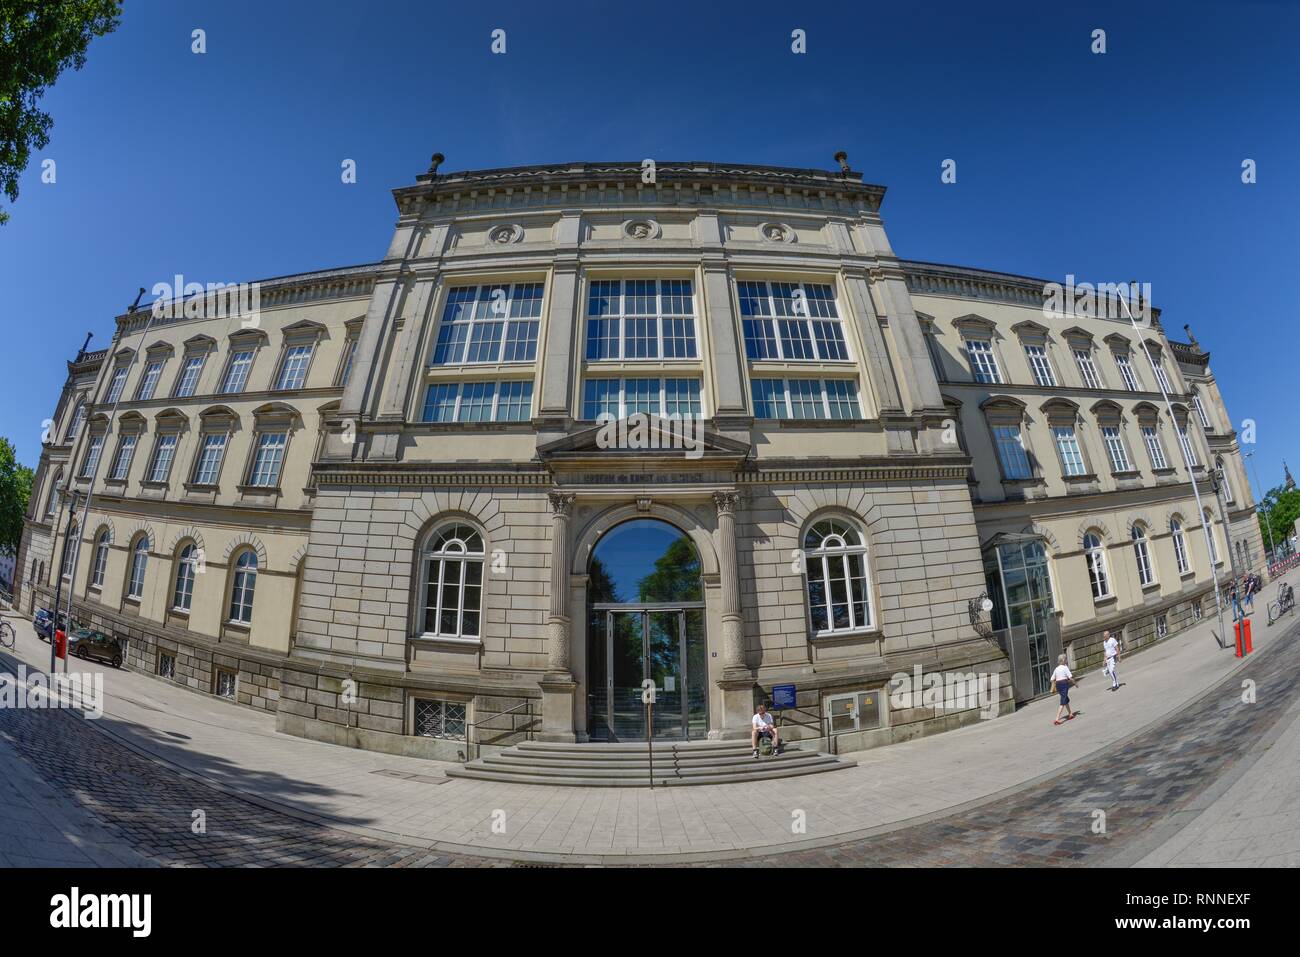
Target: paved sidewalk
[371, 794]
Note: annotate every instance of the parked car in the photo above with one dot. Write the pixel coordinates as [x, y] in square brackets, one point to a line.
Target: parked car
[42, 620]
[88, 644]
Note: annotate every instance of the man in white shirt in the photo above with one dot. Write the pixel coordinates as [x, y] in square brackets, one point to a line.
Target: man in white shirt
[763, 726]
[1110, 647]
[1062, 678]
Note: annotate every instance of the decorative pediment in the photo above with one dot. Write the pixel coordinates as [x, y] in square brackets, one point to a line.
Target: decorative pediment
[1117, 341]
[304, 329]
[199, 343]
[1003, 402]
[1029, 328]
[973, 323]
[1078, 332]
[160, 349]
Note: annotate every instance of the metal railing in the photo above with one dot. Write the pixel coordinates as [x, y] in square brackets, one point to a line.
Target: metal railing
[474, 748]
[820, 722]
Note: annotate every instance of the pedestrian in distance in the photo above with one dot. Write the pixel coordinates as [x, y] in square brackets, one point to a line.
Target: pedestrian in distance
[1110, 648]
[1062, 679]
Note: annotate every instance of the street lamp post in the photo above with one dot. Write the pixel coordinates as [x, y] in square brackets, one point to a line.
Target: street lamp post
[1217, 478]
[1268, 523]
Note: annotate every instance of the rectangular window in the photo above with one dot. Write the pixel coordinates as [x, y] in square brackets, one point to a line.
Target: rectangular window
[166, 665]
[116, 384]
[489, 324]
[1188, 450]
[101, 562]
[122, 463]
[983, 363]
[209, 465]
[478, 402]
[293, 370]
[149, 381]
[1201, 414]
[1142, 554]
[1040, 365]
[350, 356]
[1127, 372]
[1160, 376]
[1115, 450]
[91, 462]
[805, 399]
[1180, 549]
[641, 319]
[162, 458]
[439, 719]
[1162, 626]
[267, 460]
[620, 398]
[225, 684]
[784, 320]
[1011, 453]
[1087, 368]
[1154, 448]
[237, 371]
[189, 381]
[1067, 445]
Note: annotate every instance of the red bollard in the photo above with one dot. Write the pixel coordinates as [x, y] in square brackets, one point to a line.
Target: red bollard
[60, 645]
[1246, 629]
[1236, 629]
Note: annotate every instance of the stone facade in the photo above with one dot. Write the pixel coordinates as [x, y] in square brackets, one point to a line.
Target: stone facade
[449, 394]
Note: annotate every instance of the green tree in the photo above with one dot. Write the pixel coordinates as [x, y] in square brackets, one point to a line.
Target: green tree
[1278, 511]
[39, 39]
[676, 576]
[15, 492]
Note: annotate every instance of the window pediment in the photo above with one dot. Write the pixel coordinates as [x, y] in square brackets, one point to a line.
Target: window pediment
[975, 325]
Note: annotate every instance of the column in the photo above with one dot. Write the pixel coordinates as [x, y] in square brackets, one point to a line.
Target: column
[558, 620]
[733, 634]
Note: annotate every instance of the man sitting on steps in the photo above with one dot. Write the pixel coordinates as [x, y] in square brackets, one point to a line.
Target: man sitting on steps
[764, 728]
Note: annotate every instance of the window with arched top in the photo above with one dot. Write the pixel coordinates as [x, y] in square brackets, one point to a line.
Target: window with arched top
[183, 588]
[139, 564]
[99, 562]
[70, 552]
[242, 586]
[1098, 577]
[835, 554]
[78, 418]
[1209, 533]
[1180, 546]
[52, 496]
[452, 582]
[1142, 555]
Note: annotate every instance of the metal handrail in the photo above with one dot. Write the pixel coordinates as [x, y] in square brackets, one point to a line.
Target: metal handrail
[820, 724]
[471, 726]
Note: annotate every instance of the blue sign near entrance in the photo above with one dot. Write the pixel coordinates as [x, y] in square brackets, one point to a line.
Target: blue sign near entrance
[782, 697]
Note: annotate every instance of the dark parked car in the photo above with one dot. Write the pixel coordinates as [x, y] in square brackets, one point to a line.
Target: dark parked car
[43, 618]
[88, 644]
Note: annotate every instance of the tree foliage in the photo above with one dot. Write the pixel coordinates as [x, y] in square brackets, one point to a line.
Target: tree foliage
[39, 39]
[15, 492]
[1279, 510]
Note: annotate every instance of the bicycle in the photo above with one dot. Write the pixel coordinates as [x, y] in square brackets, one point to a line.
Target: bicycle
[1285, 603]
[8, 637]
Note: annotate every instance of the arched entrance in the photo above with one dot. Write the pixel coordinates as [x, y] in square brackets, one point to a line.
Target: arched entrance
[645, 620]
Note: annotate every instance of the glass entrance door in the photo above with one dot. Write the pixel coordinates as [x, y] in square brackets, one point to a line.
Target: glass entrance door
[665, 646]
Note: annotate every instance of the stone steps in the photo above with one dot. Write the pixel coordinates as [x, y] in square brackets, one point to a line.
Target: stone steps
[628, 765]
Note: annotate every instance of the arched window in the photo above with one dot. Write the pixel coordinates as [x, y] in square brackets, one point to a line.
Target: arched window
[1097, 574]
[183, 592]
[70, 551]
[52, 496]
[241, 594]
[78, 417]
[453, 582]
[139, 562]
[100, 561]
[1142, 554]
[1180, 546]
[1214, 545]
[836, 557]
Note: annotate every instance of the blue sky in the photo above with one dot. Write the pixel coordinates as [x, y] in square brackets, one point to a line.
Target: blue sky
[225, 166]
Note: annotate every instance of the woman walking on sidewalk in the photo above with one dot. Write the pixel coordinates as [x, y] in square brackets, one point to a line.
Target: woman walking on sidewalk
[1062, 678]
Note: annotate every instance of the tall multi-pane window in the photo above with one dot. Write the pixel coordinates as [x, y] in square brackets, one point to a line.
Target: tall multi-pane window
[163, 454]
[641, 319]
[122, 461]
[1161, 377]
[350, 356]
[115, 384]
[1011, 453]
[293, 370]
[1127, 372]
[791, 320]
[1154, 448]
[489, 324]
[453, 582]
[1115, 449]
[91, 462]
[1200, 411]
[1095, 555]
[208, 466]
[69, 551]
[189, 380]
[1087, 368]
[835, 556]
[983, 363]
[267, 459]
[78, 418]
[1067, 445]
[183, 592]
[1040, 365]
[1188, 449]
[1142, 555]
[237, 371]
[52, 496]
[139, 563]
[1180, 546]
[620, 398]
[805, 399]
[1214, 545]
[149, 381]
[99, 564]
[478, 402]
[241, 591]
